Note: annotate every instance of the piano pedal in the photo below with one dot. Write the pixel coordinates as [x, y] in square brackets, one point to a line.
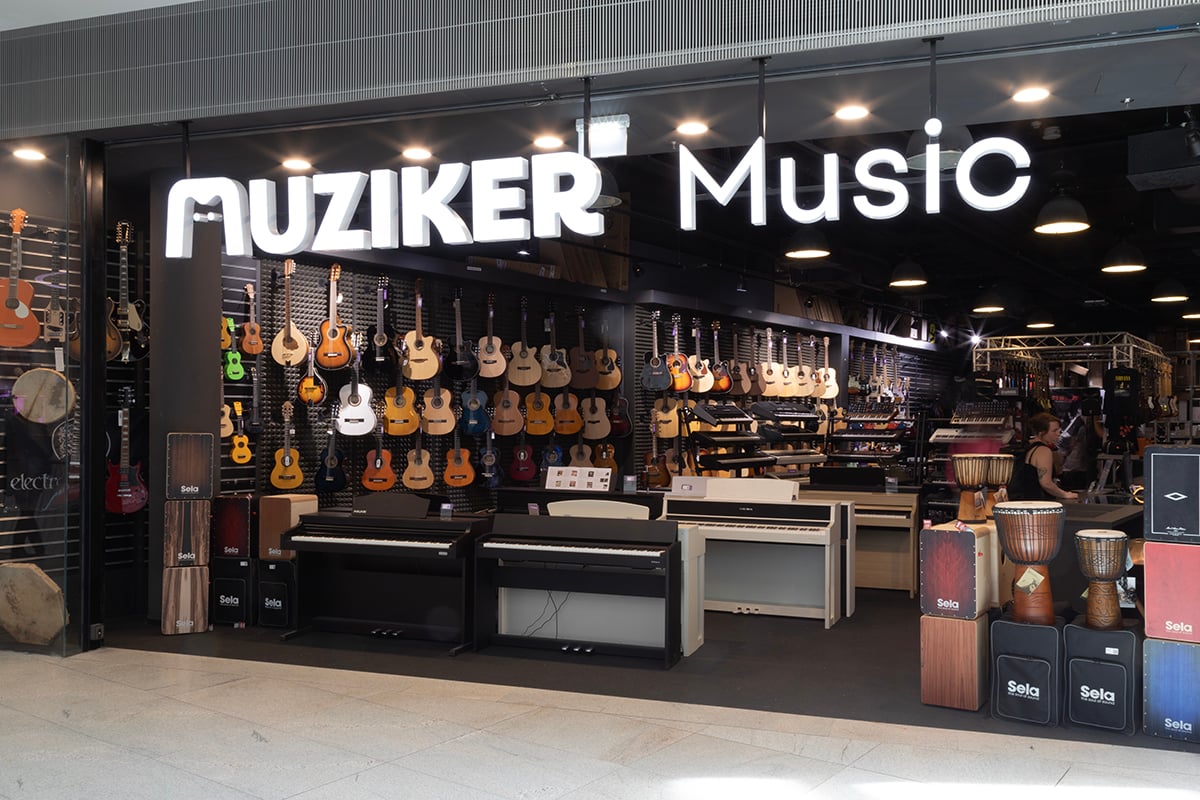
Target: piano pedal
[577, 649]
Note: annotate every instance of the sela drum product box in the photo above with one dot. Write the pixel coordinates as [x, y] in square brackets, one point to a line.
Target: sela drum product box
[1103, 667]
[1172, 494]
[957, 570]
[277, 594]
[1172, 575]
[278, 514]
[190, 466]
[234, 525]
[1026, 672]
[232, 591]
[185, 600]
[954, 662]
[186, 525]
[1171, 690]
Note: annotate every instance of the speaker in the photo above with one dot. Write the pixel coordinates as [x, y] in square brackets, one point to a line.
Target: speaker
[957, 566]
[954, 662]
[277, 594]
[186, 526]
[1026, 672]
[1172, 591]
[278, 514]
[234, 525]
[1171, 690]
[1103, 669]
[185, 600]
[232, 591]
[1172, 494]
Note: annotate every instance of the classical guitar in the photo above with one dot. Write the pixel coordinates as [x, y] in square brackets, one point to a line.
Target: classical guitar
[437, 417]
[124, 490]
[580, 455]
[251, 339]
[333, 343]
[463, 365]
[702, 378]
[655, 377]
[289, 345]
[828, 374]
[312, 387]
[135, 339]
[722, 380]
[424, 359]
[657, 474]
[605, 457]
[555, 372]
[458, 472]
[355, 416]
[492, 363]
[380, 334]
[378, 475]
[522, 468]
[552, 455]
[234, 371]
[567, 420]
[508, 420]
[681, 379]
[474, 420]
[417, 473]
[608, 371]
[666, 416]
[286, 473]
[769, 370]
[739, 371]
[399, 414]
[582, 361]
[239, 450]
[489, 461]
[539, 420]
[523, 366]
[18, 326]
[596, 424]
[331, 475]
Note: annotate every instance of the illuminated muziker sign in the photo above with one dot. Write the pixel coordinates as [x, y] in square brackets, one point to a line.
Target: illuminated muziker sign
[563, 187]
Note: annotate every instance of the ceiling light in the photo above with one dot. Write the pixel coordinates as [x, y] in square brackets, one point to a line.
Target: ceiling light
[416, 153]
[806, 243]
[692, 128]
[298, 164]
[952, 141]
[976, 338]
[741, 284]
[1062, 214]
[1039, 320]
[548, 142]
[610, 195]
[907, 274]
[1123, 257]
[1169, 291]
[988, 303]
[851, 112]
[1192, 315]
[1193, 341]
[29, 154]
[1031, 94]
[943, 333]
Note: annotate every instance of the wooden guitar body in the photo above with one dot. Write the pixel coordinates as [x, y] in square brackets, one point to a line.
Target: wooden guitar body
[19, 326]
[417, 475]
[399, 416]
[508, 420]
[333, 346]
[125, 493]
[378, 475]
[522, 469]
[458, 472]
[286, 472]
[438, 418]
[567, 420]
[539, 420]
[596, 424]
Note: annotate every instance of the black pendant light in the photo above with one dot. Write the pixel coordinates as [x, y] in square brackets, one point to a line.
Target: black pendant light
[1123, 257]
[908, 274]
[1062, 214]
[953, 140]
[808, 242]
[1169, 291]
[610, 195]
[1040, 320]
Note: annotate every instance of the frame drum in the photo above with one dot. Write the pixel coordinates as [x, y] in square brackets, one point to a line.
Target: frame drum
[43, 395]
[970, 473]
[1000, 470]
[1102, 561]
[1030, 533]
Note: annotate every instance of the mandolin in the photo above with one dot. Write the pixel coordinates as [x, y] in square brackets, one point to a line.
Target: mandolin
[378, 475]
[399, 414]
[582, 361]
[333, 343]
[492, 363]
[380, 335]
[124, 490]
[523, 366]
[654, 377]
[722, 380]
[289, 345]
[539, 420]
[331, 475]
[239, 451]
[508, 420]
[423, 351]
[251, 341]
[355, 416]
[474, 420]
[312, 387]
[596, 424]
[286, 473]
[463, 365]
[522, 469]
[18, 325]
[702, 378]
[677, 366]
[567, 420]
[608, 372]
[555, 372]
[417, 474]
[437, 417]
[458, 472]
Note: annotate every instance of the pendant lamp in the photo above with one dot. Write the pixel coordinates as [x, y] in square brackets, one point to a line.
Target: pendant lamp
[908, 274]
[1040, 320]
[1123, 257]
[1062, 214]
[953, 140]
[988, 303]
[806, 243]
[610, 195]
[1169, 291]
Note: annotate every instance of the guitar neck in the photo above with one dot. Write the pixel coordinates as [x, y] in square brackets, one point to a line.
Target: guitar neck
[123, 286]
[124, 442]
[333, 320]
[287, 303]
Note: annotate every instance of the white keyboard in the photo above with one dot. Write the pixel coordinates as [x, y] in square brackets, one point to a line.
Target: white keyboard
[305, 539]
[946, 435]
[571, 548]
[753, 527]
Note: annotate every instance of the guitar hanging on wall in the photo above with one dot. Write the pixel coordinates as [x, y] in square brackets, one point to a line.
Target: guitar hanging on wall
[378, 475]
[18, 326]
[124, 490]
[251, 341]
[331, 475]
[289, 345]
[417, 474]
[423, 351]
[333, 345]
[380, 334]
[135, 338]
[239, 451]
[523, 366]
[312, 387]
[286, 473]
[492, 363]
[355, 417]
[463, 365]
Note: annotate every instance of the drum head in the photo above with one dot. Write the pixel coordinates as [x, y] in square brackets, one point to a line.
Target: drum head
[43, 395]
[1100, 533]
[1029, 507]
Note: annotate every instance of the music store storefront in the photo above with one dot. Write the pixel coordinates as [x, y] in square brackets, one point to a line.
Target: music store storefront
[652, 377]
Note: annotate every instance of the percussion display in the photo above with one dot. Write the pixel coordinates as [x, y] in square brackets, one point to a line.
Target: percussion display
[1000, 471]
[1103, 678]
[1173, 494]
[958, 569]
[1172, 591]
[1171, 689]
[1030, 533]
[970, 473]
[1027, 666]
[1102, 561]
[954, 662]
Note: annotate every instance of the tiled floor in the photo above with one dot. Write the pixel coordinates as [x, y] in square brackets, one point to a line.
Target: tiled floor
[131, 724]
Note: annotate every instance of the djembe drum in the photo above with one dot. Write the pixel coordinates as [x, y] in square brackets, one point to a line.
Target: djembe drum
[1102, 561]
[970, 473]
[1030, 533]
[1000, 470]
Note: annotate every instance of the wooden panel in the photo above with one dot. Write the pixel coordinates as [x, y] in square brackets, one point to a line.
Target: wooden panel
[954, 662]
[186, 526]
[185, 600]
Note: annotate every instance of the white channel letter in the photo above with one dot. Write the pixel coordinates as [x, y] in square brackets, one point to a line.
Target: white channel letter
[302, 216]
[830, 206]
[753, 166]
[552, 206]
[345, 189]
[997, 146]
[489, 199]
[899, 192]
[421, 204]
[181, 205]
[385, 209]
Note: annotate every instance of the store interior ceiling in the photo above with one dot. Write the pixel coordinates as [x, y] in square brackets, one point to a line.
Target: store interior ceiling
[1111, 93]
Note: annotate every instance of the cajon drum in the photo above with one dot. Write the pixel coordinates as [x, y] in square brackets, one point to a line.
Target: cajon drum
[954, 662]
[185, 600]
[278, 514]
[186, 526]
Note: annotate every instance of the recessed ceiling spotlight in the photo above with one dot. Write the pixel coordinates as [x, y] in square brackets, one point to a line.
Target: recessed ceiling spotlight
[851, 112]
[1031, 94]
[692, 127]
[29, 154]
[416, 153]
[548, 142]
[297, 164]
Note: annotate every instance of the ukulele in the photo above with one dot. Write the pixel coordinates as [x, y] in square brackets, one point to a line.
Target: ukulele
[312, 387]
[583, 362]
[226, 424]
[286, 473]
[596, 424]
[567, 420]
[666, 416]
[227, 332]
[657, 475]
[654, 377]
[18, 326]
[677, 366]
[355, 416]
[240, 450]
[234, 370]
[135, 342]
[522, 469]
[254, 425]
[474, 420]
[333, 343]
[769, 370]
[437, 418]
[523, 367]
[464, 365]
[492, 363]
[606, 457]
[508, 420]
[539, 420]
[380, 334]
[580, 454]
[608, 372]
[739, 371]
[489, 462]
[251, 343]
[828, 374]
[331, 476]
[555, 372]
[424, 359]
[124, 490]
[378, 475]
[417, 474]
[399, 416]
[289, 345]
[458, 472]
[722, 381]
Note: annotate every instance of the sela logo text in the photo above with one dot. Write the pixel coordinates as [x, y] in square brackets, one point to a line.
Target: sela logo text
[275, 551]
[190, 623]
[1024, 690]
[189, 489]
[185, 556]
[272, 602]
[232, 551]
[1177, 725]
[950, 604]
[1177, 627]
[229, 600]
[1103, 696]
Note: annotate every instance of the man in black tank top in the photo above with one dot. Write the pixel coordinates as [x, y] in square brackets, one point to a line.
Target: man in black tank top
[1038, 465]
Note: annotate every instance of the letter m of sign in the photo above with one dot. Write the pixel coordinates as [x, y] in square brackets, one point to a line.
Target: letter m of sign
[186, 194]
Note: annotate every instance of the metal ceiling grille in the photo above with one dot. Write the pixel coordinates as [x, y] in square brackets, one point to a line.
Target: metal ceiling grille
[224, 57]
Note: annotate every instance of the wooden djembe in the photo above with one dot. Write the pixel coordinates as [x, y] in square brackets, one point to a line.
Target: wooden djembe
[1101, 555]
[970, 474]
[1000, 470]
[1030, 533]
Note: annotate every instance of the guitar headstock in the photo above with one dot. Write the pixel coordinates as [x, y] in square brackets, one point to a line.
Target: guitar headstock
[716, 325]
[491, 301]
[335, 273]
[249, 287]
[17, 219]
[675, 320]
[237, 408]
[124, 233]
[287, 411]
[126, 395]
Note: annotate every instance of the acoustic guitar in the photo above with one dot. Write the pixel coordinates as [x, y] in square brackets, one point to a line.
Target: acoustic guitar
[608, 371]
[508, 420]
[18, 326]
[437, 417]
[331, 475]
[740, 372]
[618, 417]
[489, 462]
[399, 414]
[226, 423]
[657, 475]
[418, 474]
[458, 472]
[380, 334]
[424, 352]
[555, 372]
[803, 384]
[462, 365]
[312, 387]
[124, 490]
[828, 374]
[655, 377]
[355, 416]
[605, 457]
[474, 420]
[580, 455]
[289, 345]
[523, 367]
[239, 450]
[596, 424]
[333, 342]
[567, 419]
[522, 468]
[769, 370]
[251, 341]
[677, 365]
[583, 361]
[492, 363]
[539, 420]
[378, 475]
[786, 385]
[286, 473]
[666, 416]
[722, 380]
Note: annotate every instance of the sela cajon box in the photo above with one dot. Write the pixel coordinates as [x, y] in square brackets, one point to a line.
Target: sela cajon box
[1172, 591]
[234, 525]
[958, 570]
[186, 526]
[278, 514]
[1172, 475]
[185, 600]
[1026, 672]
[1103, 686]
[954, 662]
[232, 591]
[277, 594]
[190, 466]
[1171, 689]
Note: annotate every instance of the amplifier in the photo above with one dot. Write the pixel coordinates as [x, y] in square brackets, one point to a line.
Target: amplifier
[954, 662]
[1172, 494]
[232, 591]
[1026, 672]
[1102, 678]
[957, 570]
[234, 525]
[277, 594]
[1171, 690]
[278, 514]
[1172, 591]
[186, 525]
[185, 600]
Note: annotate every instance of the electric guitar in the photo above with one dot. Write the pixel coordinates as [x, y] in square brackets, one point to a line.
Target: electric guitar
[489, 462]
[234, 371]
[583, 362]
[286, 473]
[463, 366]
[722, 380]
[54, 319]
[567, 420]
[492, 363]
[135, 340]
[508, 420]
[399, 415]
[380, 334]
[355, 417]
[523, 367]
[580, 455]
[828, 374]
[252, 343]
[608, 371]
[740, 371]
[539, 420]
[18, 326]
[417, 474]
[655, 377]
[331, 475]
[555, 372]
[596, 424]
[289, 345]
[239, 452]
[677, 366]
[474, 420]
[458, 472]
[702, 378]
[619, 418]
[312, 387]
[522, 469]
[605, 457]
[333, 343]
[424, 352]
[378, 475]
[124, 490]
[437, 417]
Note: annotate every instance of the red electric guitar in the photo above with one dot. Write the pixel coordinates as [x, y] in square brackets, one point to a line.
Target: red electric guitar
[124, 490]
